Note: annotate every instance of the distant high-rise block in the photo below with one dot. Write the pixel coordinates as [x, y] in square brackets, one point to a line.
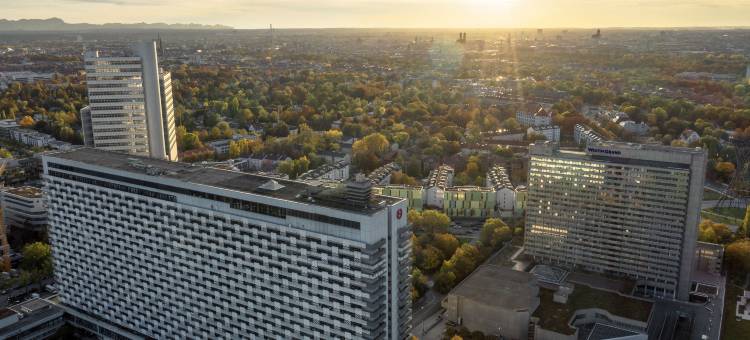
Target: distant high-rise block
[130, 104]
[167, 250]
[620, 209]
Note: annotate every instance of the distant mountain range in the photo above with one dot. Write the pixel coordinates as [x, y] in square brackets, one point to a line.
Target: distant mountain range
[57, 24]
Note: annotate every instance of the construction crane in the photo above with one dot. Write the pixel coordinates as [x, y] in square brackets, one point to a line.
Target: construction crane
[5, 262]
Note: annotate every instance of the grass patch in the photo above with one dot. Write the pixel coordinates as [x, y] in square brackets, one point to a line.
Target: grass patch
[731, 328]
[724, 215]
[555, 316]
[710, 195]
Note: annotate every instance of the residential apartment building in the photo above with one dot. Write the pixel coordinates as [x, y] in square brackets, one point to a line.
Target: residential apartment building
[439, 179]
[617, 208]
[534, 117]
[169, 250]
[550, 133]
[130, 104]
[382, 175]
[6, 125]
[414, 195]
[338, 171]
[469, 201]
[505, 193]
[583, 135]
[31, 137]
[24, 207]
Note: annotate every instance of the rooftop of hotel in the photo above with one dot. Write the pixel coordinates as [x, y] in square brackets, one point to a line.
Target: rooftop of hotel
[25, 191]
[225, 179]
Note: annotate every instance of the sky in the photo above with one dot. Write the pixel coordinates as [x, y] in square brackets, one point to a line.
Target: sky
[393, 13]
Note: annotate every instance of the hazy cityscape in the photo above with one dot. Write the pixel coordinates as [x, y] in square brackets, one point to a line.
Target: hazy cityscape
[188, 180]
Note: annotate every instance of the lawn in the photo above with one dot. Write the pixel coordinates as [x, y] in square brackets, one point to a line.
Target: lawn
[710, 195]
[731, 328]
[724, 215]
[555, 316]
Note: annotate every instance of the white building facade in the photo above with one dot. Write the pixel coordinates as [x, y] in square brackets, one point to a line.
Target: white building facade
[24, 207]
[167, 250]
[621, 209]
[130, 104]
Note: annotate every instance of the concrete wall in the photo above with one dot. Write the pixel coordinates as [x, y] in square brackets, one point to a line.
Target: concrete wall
[487, 319]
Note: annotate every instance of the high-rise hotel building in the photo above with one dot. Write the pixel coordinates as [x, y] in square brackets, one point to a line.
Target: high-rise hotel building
[167, 250]
[621, 209]
[130, 104]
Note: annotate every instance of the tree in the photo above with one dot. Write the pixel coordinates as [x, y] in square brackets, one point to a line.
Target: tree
[494, 233]
[511, 124]
[446, 243]
[294, 167]
[37, 258]
[737, 256]
[444, 281]
[429, 259]
[724, 170]
[190, 141]
[27, 122]
[430, 221]
[367, 152]
[399, 177]
[711, 232]
[4, 153]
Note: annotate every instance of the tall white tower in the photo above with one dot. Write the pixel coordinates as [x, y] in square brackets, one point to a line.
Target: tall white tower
[130, 104]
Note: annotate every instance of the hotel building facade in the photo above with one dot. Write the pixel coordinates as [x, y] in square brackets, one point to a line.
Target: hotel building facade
[162, 249]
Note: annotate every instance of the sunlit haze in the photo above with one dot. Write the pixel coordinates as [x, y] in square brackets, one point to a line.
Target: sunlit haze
[394, 13]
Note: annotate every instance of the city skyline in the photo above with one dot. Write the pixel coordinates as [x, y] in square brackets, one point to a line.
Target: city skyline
[249, 14]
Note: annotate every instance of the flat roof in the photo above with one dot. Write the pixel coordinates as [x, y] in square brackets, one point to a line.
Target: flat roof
[26, 191]
[555, 316]
[498, 286]
[211, 176]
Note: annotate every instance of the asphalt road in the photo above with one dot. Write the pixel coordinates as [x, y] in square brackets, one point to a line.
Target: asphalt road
[27, 290]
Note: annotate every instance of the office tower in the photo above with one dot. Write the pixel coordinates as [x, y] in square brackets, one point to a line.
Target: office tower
[130, 104]
[173, 251]
[620, 209]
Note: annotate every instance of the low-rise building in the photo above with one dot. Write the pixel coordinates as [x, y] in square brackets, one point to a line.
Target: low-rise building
[32, 319]
[499, 301]
[708, 257]
[638, 129]
[689, 136]
[382, 175]
[261, 162]
[5, 126]
[31, 137]
[439, 179]
[335, 156]
[534, 116]
[505, 193]
[469, 201]
[220, 147]
[495, 301]
[415, 195]
[338, 171]
[550, 132]
[583, 135]
[25, 207]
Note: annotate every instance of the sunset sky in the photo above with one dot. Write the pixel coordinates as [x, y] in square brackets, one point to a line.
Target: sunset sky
[393, 13]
